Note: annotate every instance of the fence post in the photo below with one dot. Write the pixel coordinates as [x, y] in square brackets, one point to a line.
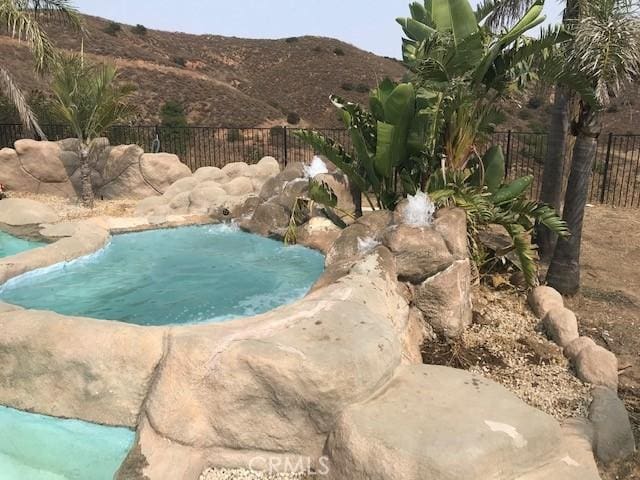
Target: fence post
[286, 153]
[507, 162]
[605, 175]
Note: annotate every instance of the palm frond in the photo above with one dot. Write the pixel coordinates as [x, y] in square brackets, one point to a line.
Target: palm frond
[10, 89]
[525, 252]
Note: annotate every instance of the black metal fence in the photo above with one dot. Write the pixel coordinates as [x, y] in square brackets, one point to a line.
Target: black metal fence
[615, 181]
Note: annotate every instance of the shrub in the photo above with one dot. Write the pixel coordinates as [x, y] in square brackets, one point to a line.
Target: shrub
[338, 51]
[139, 30]
[347, 86]
[291, 39]
[535, 102]
[293, 118]
[172, 114]
[180, 61]
[362, 88]
[112, 28]
[234, 135]
[317, 49]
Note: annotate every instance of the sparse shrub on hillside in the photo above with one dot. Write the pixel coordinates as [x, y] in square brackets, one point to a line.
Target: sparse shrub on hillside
[139, 30]
[338, 51]
[234, 135]
[362, 88]
[347, 86]
[276, 135]
[291, 39]
[293, 118]
[535, 102]
[317, 49]
[112, 28]
[180, 61]
[173, 134]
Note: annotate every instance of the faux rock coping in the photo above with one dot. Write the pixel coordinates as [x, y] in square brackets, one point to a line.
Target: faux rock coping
[287, 384]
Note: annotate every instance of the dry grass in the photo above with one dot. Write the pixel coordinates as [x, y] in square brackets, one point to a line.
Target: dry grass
[72, 209]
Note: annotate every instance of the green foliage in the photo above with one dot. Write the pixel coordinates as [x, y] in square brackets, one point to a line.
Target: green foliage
[362, 88]
[291, 40]
[181, 61]
[487, 200]
[339, 52]
[293, 118]
[112, 28]
[89, 97]
[347, 86]
[173, 134]
[139, 30]
[172, 114]
[234, 135]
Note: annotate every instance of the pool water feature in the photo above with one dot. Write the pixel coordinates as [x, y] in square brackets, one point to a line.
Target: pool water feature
[173, 276]
[37, 447]
[10, 245]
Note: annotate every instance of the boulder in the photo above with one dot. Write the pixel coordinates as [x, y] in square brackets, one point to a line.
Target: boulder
[179, 204]
[349, 246]
[572, 349]
[420, 252]
[438, 423]
[44, 161]
[160, 170]
[211, 174]
[613, 435]
[377, 222]
[12, 175]
[19, 212]
[561, 325]
[238, 186]
[318, 233]
[451, 223]
[268, 219]
[185, 184]
[206, 195]
[542, 299]
[598, 366]
[290, 192]
[76, 367]
[445, 299]
[265, 168]
[118, 160]
[236, 169]
[339, 183]
[149, 205]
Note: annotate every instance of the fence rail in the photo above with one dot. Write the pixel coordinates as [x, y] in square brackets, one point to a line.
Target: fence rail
[615, 180]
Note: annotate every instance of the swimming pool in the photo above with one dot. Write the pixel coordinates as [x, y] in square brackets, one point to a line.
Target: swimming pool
[10, 245]
[173, 276]
[37, 447]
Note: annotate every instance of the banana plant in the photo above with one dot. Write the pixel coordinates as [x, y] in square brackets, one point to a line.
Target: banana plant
[388, 143]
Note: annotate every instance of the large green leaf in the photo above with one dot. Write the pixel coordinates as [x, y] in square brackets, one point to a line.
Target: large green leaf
[419, 13]
[383, 160]
[415, 30]
[455, 17]
[400, 104]
[494, 173]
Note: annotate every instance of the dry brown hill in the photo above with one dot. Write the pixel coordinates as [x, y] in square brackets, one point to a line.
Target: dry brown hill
[222, 81]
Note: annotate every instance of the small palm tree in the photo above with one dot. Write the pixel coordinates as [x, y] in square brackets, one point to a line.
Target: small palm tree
[90, 99]
[604, 53]
[22, 19]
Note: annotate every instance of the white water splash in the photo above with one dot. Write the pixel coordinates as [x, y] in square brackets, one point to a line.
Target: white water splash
[365, 245]
[419, 210]
[317, 167]
[222, 228]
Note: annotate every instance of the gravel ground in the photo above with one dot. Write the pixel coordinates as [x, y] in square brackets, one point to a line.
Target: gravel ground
[240, 474]
[72, 209]
[506, 345]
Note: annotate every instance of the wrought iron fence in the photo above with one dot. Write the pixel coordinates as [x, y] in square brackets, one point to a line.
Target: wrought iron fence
[615, 180]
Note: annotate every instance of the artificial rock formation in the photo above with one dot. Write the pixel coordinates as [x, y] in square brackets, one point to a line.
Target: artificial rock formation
[122, 171]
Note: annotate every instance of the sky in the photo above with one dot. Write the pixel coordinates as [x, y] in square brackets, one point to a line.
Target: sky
[367, 24]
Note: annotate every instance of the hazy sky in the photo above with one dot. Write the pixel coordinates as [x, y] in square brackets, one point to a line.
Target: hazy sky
[368, 24]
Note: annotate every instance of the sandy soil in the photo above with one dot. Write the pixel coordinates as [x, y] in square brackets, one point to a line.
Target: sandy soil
[608, 306]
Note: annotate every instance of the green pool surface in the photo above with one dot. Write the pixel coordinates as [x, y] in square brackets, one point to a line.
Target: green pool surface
[10, 245]
[37, 447]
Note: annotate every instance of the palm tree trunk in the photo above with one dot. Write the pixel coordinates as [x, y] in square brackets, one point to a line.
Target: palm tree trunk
[564, 271]
[85, 177]
[356, 197]
[552, 177]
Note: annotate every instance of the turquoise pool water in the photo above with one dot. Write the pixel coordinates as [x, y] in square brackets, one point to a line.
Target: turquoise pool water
[36, 447]
[10, 245]
[184, 275]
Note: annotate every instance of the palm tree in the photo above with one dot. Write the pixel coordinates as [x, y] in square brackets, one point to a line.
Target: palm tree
[604, 52]
[22, 20]
[90, 99]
